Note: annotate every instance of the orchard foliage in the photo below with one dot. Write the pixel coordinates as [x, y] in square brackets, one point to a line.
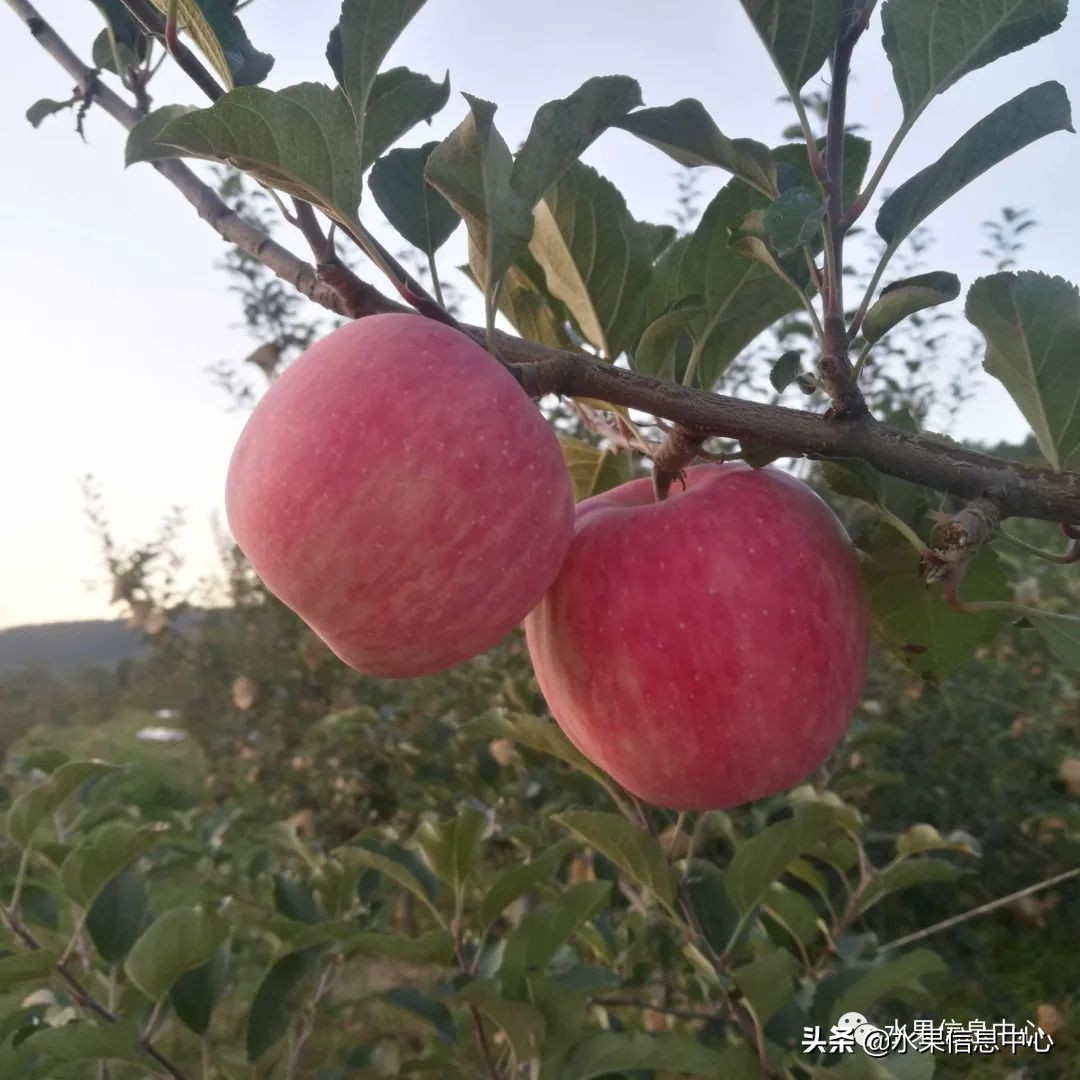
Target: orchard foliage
[360, 878]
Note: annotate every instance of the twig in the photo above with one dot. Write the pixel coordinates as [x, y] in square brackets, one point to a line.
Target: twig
[322, 988]
[83, 996]
[835, 373]
[982, 909]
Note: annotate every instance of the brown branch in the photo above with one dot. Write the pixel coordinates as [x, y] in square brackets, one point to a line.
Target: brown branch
[212, 209]
[1017, 490]
[835, 373]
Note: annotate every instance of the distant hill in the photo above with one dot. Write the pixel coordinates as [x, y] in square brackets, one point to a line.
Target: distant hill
[64, 647]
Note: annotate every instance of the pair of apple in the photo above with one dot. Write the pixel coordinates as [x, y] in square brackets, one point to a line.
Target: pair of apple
[399, 491]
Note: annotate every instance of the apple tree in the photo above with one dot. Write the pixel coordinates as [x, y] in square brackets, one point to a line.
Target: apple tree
[699, 629]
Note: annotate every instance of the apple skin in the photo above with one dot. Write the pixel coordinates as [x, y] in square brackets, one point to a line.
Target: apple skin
[399, 491]
[709, 649]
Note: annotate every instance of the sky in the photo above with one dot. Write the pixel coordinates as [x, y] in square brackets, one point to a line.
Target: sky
[111, 309]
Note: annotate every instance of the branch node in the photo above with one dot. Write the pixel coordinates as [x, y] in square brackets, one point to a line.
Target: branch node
[674, 455]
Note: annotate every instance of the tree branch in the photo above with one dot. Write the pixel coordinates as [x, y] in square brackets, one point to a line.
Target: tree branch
[212, 209]
[835, 372]
[1018, 491]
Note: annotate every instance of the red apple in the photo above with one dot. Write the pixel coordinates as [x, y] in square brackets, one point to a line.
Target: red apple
[709, 649]
[401, 493]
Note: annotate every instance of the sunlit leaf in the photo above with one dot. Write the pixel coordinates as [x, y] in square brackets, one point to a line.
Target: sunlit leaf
[903, 298]
[219, 35]
[177, 941]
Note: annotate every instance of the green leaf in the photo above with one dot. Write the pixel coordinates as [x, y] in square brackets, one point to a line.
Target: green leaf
[767, 982]
[36, 905]
[294, 900]
[794, 219]
[45, 107]
[591, 469]
[932, 43]
[1029, 116]
[764, 858]
[686, 132]
[119, 20]
[1031, 323]
[792, 912]
[596, 257]
[799, 36]
[472, 168]
[84, 1042]
[358, 45]
[219, 35]
[658, 349]
[531, 308]
[635, 853]
[399, 100]
[177, 941]
[102, 855]
[853, 479]
[614, 1052]
[396, 871]
[451, 848]
[902, 298]
[278, 996]
[424, 1006]
[129, 56]
[519, 880]
[908, 874]
[27, 967]
[301, 140]
[411, 205]
[142, 144]
[863, 986]
[564, 129]
[917, 623]
[37, 805]
[522, 1024]
[742, 296]
[118, 916]
[704, 884]
[543, 736]
[785, 371]
[531, 945]
[1062, 634]
[197, 992]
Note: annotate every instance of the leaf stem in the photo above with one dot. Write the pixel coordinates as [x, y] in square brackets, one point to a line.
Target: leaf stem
[903, 528]
[1066, 558]
[860, 363]
[436, 285]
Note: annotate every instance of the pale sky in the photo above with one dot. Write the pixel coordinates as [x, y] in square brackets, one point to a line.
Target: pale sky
[111, 308]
